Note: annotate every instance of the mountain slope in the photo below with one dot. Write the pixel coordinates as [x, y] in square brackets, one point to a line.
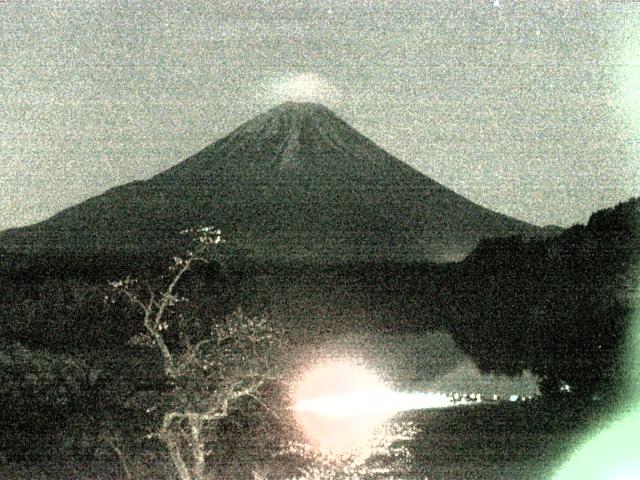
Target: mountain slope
[294, 183]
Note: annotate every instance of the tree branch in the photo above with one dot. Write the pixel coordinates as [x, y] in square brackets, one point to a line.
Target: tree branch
[264, 405]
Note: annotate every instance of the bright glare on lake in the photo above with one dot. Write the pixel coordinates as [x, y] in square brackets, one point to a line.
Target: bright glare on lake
[340, 404]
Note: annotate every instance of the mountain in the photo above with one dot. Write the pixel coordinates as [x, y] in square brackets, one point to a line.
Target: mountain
[295, 183]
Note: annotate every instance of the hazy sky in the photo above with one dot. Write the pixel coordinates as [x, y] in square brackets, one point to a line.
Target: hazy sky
[533, 111]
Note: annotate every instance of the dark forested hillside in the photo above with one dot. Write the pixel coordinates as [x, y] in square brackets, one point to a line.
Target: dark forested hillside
[558, 306]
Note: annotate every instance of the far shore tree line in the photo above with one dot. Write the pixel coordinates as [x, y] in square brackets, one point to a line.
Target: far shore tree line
[559, 307]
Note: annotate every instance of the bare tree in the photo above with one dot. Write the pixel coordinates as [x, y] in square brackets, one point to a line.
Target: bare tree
[207, 377]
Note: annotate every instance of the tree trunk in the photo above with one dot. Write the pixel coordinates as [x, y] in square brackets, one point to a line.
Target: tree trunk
[195, 422]
[123, 462]
[176, 457]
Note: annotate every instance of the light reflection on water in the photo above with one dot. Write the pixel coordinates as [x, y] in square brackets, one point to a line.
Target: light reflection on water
[489, 440]
[341, 405]
[354, 428]
[384, 454]
[353, 421]
[349, 418]
[372, 402]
